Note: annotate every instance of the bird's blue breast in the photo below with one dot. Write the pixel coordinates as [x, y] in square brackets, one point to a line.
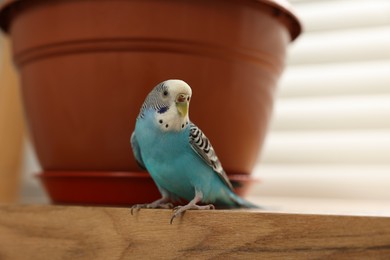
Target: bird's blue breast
[172, 163]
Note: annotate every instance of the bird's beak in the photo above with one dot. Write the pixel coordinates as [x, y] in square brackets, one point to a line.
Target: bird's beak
[182, 103]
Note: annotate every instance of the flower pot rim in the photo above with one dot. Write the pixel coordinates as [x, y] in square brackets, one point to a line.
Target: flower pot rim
[283, 7]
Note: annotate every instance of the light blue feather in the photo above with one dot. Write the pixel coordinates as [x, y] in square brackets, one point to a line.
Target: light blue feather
[137, 151]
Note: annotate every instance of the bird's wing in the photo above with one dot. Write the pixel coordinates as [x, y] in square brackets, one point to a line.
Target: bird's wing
[137, 151]
[202, 146]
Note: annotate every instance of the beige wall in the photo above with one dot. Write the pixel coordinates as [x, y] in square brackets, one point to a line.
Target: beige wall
[11, 127]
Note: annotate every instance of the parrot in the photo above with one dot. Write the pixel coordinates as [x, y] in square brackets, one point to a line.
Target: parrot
[177, 154]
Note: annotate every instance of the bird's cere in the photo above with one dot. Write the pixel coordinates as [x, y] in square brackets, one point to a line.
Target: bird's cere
[181, 98]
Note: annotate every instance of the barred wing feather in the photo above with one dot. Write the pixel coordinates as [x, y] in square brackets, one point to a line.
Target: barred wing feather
[202, 146]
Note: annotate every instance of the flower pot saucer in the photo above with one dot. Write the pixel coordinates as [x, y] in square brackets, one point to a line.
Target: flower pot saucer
[112, 188]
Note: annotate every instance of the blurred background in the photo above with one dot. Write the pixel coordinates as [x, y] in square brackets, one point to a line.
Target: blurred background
[330, 136]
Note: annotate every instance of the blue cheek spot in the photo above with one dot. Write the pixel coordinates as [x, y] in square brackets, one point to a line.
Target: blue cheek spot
[163, 110]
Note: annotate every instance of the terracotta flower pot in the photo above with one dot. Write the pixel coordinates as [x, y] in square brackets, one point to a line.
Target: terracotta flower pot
[87, 65]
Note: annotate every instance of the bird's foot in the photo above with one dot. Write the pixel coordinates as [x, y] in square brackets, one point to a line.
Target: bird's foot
[158, 204]
[179, 210]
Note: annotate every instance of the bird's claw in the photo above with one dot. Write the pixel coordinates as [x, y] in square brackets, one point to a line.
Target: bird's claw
[176, 208]
[160, 206]
[172, 218]
[179, 210]
[210, 206]
[151, 206]
[137, 207]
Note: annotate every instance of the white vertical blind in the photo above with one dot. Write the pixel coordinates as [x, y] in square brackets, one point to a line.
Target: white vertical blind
[330, 135]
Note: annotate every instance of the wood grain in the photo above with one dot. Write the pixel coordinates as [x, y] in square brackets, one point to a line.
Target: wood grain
[11, 126]
[62, 232]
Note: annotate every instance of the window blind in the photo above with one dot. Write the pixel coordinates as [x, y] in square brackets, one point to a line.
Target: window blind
[330, 135]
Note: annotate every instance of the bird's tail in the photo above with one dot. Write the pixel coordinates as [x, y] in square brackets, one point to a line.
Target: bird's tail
[242, 203]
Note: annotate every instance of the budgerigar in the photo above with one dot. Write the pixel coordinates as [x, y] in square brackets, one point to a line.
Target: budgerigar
[178, 155]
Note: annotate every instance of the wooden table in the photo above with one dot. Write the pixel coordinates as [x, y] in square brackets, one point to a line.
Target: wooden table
[71, 232]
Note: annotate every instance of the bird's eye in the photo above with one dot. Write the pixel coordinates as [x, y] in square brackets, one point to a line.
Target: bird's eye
[165, 93]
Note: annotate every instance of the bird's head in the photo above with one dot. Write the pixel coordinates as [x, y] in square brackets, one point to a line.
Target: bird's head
[169, 101]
